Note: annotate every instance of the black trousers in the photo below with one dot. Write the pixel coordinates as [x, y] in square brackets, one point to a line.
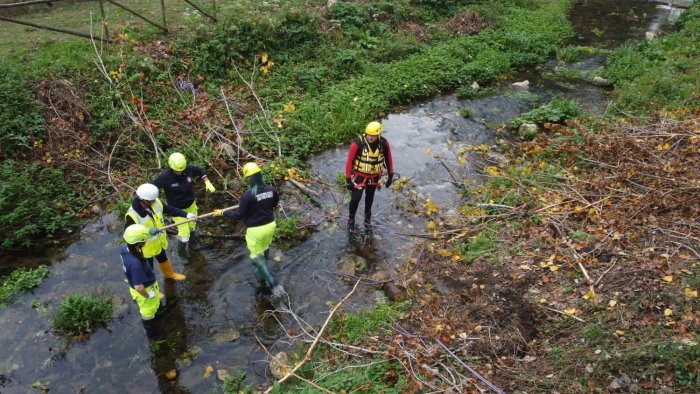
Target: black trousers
[369, 199]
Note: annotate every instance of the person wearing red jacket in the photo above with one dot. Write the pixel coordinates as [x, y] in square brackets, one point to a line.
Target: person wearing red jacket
[368, 159]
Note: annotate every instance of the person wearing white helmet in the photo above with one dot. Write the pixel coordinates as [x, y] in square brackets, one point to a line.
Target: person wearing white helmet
[178, 184]
[143, 285]
[148, 210]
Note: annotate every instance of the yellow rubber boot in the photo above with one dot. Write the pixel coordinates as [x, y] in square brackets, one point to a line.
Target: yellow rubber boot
[168, 272]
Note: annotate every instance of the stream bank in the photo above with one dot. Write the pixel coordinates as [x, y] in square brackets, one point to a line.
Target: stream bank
[220, 297]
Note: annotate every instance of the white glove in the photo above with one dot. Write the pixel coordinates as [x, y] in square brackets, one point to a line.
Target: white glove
[191, 216]
[151, 293]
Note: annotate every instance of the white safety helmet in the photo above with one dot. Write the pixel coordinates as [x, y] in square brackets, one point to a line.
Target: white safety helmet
[147, 192]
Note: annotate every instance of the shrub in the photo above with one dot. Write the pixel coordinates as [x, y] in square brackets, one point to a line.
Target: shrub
[20, 120]
[352, 15]
[34, 202]
[288, 231]
[556, 111]
[79, 314]
[236, 384]
[212, 49]
[20, 280]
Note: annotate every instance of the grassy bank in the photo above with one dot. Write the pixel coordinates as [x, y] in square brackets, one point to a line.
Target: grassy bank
[573, 267]
[661, 73]
[285, 79]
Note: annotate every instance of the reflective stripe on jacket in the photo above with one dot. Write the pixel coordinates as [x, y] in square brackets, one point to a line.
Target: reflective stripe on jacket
[158, 242]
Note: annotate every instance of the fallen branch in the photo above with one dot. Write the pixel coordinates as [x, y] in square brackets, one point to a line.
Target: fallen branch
[304, 188]
[606, 271]
[307, 355]
[561, 312]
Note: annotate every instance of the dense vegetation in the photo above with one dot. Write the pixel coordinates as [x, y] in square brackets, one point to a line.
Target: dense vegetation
[21, 280]
[659, 73]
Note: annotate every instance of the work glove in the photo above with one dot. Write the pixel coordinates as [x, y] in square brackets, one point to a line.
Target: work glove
[209, 186]
[389, 180]
[153, 231]
[349, 185]
[218, 212]
[191, 215]
[151, 293]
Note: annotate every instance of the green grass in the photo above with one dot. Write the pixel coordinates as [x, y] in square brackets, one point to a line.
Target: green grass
[374, 374]
[478, 246]
[80, 314]
[75, 16]
[35, 201]
[21, 280]
[661, 73]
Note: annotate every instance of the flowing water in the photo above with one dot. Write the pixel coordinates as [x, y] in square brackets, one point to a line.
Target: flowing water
[220, 311]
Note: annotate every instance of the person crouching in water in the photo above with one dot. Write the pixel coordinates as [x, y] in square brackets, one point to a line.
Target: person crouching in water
[143, 285]
[256, 209]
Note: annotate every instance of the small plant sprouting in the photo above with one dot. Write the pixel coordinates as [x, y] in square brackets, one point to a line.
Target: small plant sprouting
[80, 314]
[466, 113]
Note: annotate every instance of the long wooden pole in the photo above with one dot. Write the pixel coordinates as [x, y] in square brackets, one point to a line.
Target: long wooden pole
[162, 11]
[56, 29]
[206, 215]
[165, 29]
[11, 5]
[104, 18]
[200, 10]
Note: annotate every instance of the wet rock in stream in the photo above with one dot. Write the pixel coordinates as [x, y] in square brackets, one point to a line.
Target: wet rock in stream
[226, 335]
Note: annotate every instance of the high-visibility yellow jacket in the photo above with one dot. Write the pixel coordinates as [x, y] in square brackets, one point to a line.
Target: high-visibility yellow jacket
[153, 219]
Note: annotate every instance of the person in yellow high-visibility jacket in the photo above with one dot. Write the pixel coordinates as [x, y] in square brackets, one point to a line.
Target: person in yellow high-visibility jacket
[143, 285]
[146, 209]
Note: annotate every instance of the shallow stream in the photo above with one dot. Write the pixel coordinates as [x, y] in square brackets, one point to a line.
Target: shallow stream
[220, 308]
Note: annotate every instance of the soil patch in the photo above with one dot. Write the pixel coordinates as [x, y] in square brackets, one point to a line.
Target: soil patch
[467, 22]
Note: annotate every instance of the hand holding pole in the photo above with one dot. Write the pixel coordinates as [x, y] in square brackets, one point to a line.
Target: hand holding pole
[206, 215]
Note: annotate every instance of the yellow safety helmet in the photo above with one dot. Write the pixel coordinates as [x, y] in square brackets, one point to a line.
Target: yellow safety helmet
[250, 169]
[373, 128]
[136, 233]
[177, 161]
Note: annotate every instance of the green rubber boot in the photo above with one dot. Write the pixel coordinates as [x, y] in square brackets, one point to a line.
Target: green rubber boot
[259, 263]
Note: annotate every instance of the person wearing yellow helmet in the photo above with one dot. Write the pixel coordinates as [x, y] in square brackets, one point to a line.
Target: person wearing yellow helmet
[148, 210]
[143, 285]
[178, 184]
[368, 159]
[256, 209]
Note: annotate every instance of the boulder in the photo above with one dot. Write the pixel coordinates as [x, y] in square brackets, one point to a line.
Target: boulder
[600, 81]
[278, 365]
[526, 128]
